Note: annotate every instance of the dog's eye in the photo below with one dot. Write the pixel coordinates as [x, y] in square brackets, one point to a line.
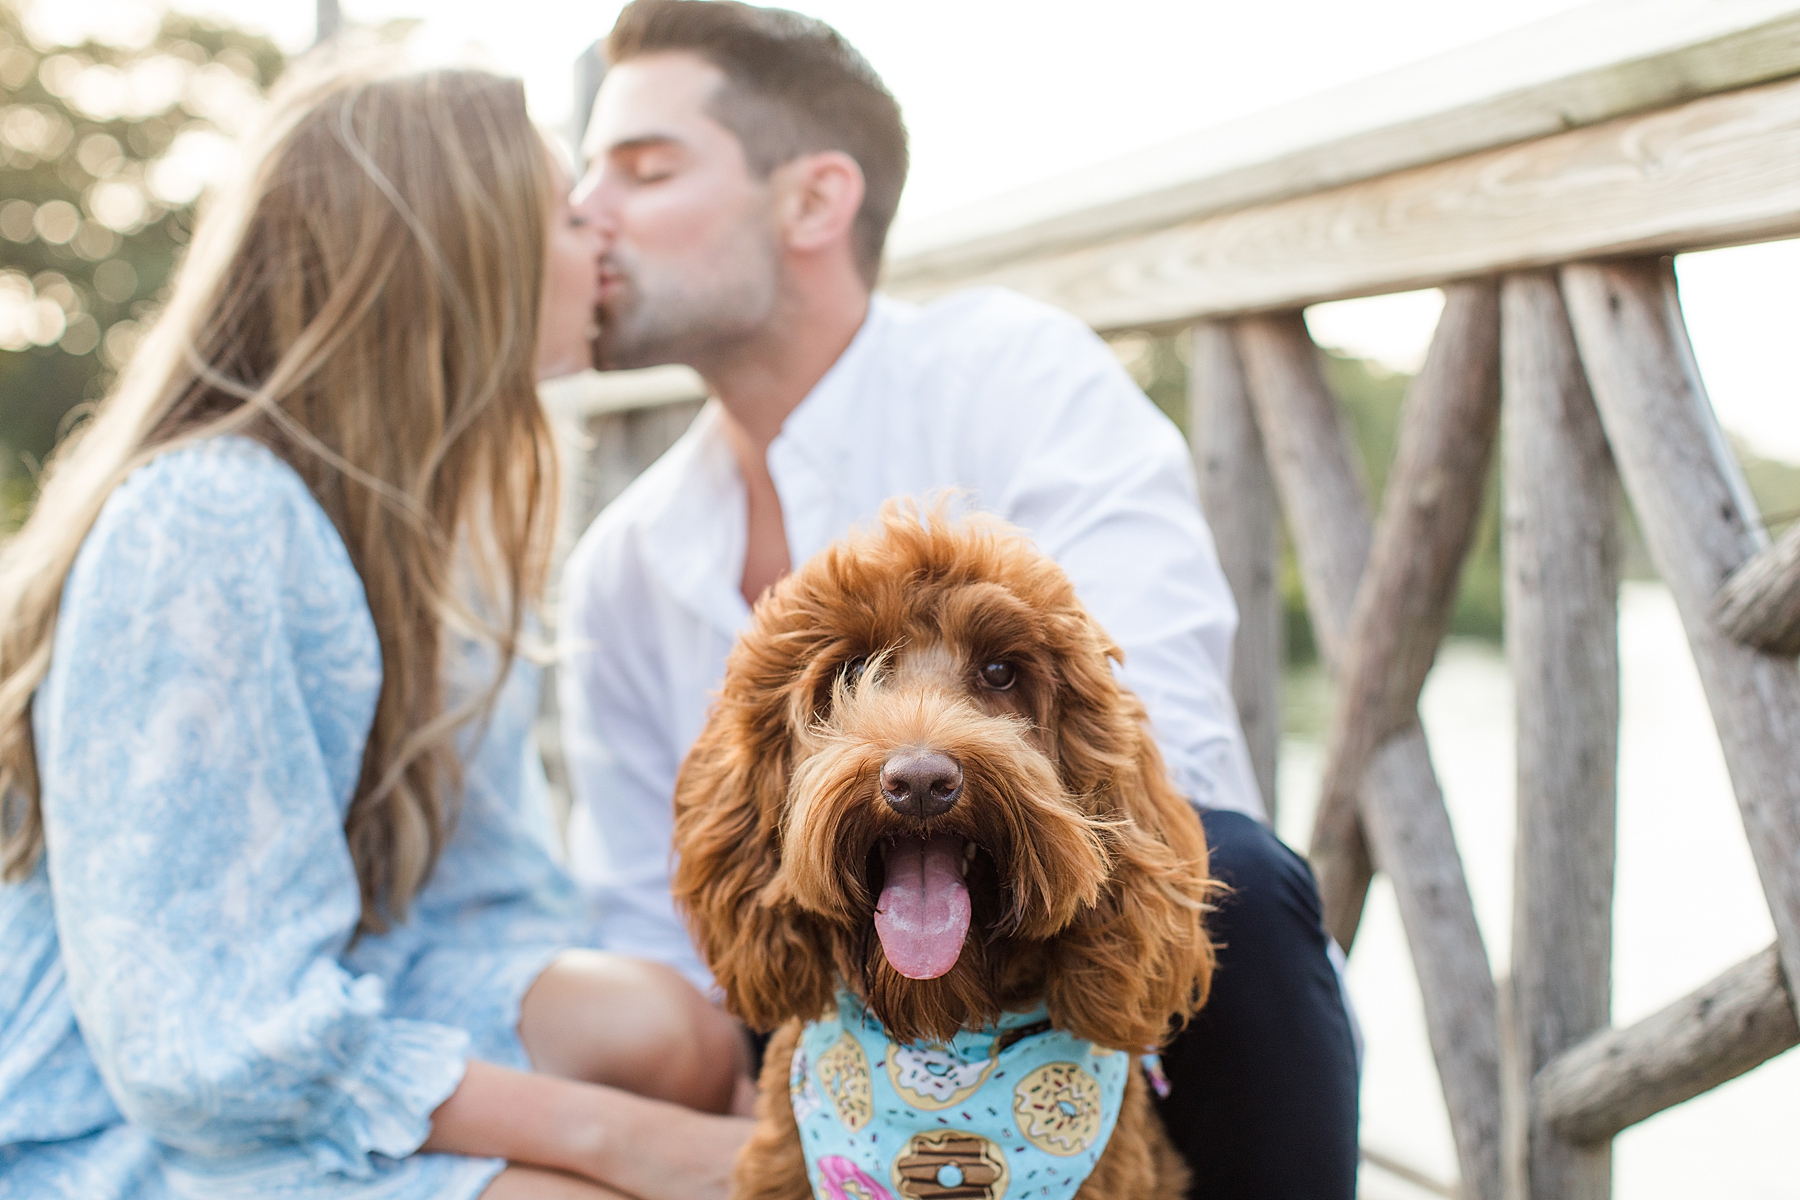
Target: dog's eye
[999, 676]
[853, 670]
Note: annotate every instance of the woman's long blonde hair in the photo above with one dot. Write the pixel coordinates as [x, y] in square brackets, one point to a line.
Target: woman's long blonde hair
[364, 301]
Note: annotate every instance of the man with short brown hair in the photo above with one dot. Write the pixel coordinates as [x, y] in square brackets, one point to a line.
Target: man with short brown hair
[745, 165]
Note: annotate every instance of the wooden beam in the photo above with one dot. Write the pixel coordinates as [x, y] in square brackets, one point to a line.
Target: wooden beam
[1759, 605]
[1618, 1077]
[1700, 526]
[1715, 171]
[1313, 465]
[1405, 597]
[1593, 64]
[1239, 500]
[1562, 640]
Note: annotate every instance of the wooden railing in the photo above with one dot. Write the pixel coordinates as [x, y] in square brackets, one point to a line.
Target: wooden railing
[1545, 205]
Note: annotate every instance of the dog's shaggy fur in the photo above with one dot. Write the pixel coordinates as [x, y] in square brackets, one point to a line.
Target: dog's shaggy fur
[1087, 872]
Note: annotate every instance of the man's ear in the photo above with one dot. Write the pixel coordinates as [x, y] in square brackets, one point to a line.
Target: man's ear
[818, 196]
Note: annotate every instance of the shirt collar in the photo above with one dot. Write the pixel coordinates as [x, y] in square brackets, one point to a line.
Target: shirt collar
[696, 543]
[820, 424]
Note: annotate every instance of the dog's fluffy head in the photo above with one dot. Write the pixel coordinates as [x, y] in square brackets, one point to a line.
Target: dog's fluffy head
[922, 778]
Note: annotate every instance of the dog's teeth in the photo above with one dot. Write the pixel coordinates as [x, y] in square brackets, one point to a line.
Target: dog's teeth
[968, 856]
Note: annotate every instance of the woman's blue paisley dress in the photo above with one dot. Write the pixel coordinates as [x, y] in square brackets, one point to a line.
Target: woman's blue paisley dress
[183, 1009]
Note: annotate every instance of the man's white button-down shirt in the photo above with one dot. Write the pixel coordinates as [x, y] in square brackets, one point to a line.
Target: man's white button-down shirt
[1018, 405]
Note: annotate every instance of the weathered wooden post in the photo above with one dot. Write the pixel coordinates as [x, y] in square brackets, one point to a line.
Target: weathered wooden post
[1239, 499]
[1562, 583]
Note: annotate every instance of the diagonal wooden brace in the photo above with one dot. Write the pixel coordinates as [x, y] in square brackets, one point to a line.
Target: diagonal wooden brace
[1700, 525]
[1618, 1077]
[1404, 601]
[1403, 810]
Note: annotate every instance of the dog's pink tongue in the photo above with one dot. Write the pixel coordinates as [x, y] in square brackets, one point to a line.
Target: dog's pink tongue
[923, 913]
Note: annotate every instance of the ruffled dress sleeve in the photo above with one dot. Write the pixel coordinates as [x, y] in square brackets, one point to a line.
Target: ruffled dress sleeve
[200, 734]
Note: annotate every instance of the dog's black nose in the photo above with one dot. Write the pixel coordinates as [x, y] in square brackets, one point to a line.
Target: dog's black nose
[921, 783]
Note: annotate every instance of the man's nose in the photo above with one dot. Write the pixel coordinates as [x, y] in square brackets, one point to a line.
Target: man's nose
[589, 202]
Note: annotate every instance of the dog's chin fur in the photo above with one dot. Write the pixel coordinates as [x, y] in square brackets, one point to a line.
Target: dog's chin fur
[1088, 880]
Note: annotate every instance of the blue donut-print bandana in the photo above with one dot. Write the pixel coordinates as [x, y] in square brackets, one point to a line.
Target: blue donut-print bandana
[1019, 1110]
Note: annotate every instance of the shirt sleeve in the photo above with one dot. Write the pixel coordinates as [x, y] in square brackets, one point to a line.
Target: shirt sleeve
[1105, 484]
[613, 693]
[200, 732]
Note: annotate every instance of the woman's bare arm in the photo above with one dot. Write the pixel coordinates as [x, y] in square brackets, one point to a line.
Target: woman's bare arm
[630, 1065]
[647, 1148]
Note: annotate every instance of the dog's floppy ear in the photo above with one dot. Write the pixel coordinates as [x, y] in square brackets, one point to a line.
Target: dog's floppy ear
[1141, 955]
[767, 955]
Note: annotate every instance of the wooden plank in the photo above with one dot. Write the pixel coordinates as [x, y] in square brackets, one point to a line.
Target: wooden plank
[1618, 1077]
[1403, 603]
[1700, 525]
[1579, 68]
[1325, 502]
[1760, 604]
[591, 393]
[1238, 497]
[1715, 171]
[1562, 583]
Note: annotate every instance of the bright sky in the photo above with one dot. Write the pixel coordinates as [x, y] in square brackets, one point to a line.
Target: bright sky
[1001, 93]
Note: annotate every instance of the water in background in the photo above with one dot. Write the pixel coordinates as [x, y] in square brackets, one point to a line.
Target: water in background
[1687, 907]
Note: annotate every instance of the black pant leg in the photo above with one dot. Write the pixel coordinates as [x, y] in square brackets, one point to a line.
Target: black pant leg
[1263, 1081]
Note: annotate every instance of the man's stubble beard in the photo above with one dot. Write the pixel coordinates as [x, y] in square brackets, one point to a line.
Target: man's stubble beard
[660, 317]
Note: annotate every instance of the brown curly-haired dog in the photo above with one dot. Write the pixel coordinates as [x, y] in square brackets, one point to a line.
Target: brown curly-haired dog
[922, 779]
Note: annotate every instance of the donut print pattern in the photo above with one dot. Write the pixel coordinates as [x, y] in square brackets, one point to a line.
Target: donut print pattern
[950, 1166]
[844, 1074]
[933, 1077]
[841, 1179]
[1058, 1108]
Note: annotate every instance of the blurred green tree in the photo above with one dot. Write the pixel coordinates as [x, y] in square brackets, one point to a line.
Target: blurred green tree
[104, 149]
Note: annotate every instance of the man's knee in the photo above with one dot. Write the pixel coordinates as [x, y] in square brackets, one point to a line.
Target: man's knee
[1269, 888]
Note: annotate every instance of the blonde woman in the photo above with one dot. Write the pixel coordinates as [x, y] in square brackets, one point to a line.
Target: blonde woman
[278, 918]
